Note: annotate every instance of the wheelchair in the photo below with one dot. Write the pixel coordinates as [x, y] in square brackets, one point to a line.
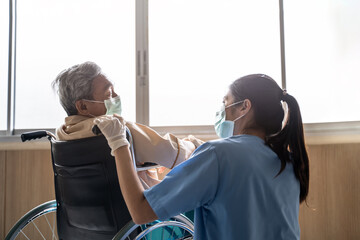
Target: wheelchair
[89, 203]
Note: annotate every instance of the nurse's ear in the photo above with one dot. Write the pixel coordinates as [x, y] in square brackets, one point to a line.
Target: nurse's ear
[246, 106]
[82, 107]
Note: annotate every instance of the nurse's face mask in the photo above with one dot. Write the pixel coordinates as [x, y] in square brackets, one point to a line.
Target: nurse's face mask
[225, 128]
[112, 105]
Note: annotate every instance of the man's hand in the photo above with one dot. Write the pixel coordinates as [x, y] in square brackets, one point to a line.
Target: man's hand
[114, 130]
[197, 142]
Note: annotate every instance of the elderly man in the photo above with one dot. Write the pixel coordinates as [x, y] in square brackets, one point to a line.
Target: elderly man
[85, 93]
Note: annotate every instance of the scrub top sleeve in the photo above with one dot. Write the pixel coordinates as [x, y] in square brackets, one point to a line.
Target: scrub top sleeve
[188, 186]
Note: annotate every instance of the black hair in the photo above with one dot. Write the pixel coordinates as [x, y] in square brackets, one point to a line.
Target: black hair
[287, 142]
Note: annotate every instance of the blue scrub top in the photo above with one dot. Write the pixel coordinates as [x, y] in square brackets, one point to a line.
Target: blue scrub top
[232, 185]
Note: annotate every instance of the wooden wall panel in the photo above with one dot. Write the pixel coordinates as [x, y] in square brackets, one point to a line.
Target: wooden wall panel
[2, 194]
[29, 182]
[333, 212]
[334, 197]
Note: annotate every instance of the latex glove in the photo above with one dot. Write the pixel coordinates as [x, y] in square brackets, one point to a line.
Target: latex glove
[197, 142]
[114, 130]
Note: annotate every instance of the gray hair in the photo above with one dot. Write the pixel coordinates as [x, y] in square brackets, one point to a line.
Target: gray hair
[75, 83]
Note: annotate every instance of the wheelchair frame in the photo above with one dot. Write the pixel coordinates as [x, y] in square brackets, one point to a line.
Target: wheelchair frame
[170, 229]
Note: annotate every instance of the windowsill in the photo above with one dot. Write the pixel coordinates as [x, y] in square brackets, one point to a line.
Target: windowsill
[315, 134]
[332, 133]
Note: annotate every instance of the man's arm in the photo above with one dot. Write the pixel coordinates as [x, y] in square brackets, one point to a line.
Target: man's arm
[167, 150]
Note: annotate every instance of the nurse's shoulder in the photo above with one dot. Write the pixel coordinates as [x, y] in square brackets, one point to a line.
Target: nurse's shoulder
[216, 146]
[238, 141]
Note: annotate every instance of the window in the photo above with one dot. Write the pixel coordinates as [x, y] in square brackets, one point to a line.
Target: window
[4, 46]
[197, 48]
[187, 51]
[54, 35]
[322, 58]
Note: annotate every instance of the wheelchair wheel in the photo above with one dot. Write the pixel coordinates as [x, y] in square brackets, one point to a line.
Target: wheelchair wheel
[178, 227]
[38, 223]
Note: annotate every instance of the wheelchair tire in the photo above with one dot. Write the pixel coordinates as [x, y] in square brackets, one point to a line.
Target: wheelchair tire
[178, 227]
[34, 221]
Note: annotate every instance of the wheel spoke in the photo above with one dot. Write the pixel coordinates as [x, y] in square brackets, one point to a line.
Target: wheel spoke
[172, 232]
[51, 228]
[162, 233]
[38, 229]
[24, 235]
[54, 226]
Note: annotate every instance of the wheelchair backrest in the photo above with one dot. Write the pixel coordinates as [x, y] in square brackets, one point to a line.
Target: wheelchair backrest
[90, 203]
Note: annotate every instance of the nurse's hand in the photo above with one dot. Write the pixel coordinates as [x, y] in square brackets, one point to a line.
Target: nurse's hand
[114, 130]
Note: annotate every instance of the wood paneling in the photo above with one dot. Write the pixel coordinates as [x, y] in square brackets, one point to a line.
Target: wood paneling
[333, 210]
[2, 194]
[29, 182]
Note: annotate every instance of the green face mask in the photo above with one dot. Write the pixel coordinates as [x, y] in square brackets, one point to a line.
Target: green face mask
[113, 105]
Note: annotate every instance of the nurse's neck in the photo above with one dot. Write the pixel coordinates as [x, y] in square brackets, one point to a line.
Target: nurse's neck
[247, 126]
[254, 132]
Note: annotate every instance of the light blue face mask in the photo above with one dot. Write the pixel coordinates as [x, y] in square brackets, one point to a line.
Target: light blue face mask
[225, 128]
[113, 105]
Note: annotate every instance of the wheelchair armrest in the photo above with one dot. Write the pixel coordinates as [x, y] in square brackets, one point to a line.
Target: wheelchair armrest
[146, 166]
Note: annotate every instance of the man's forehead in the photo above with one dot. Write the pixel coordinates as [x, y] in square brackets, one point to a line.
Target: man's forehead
[107, 85]
[101, 83]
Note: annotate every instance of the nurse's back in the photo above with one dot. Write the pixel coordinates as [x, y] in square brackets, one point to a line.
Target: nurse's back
[250, 195]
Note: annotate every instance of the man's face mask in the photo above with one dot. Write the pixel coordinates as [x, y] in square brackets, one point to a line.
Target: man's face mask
[113, 105]
[225, 128]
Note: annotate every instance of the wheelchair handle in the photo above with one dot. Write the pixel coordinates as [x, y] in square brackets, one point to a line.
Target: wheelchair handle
[34, 135]
[96, 130]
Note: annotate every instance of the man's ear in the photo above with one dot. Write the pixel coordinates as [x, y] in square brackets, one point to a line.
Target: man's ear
[82, 107]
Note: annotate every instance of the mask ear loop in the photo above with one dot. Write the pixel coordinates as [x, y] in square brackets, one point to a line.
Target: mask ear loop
[94, 101]
[241, 115]
[234, 103]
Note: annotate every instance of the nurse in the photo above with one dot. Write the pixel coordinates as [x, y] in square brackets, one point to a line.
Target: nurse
[246, 185]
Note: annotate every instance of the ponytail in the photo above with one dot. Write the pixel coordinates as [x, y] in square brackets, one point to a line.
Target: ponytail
[289, 145]
[288, 141]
